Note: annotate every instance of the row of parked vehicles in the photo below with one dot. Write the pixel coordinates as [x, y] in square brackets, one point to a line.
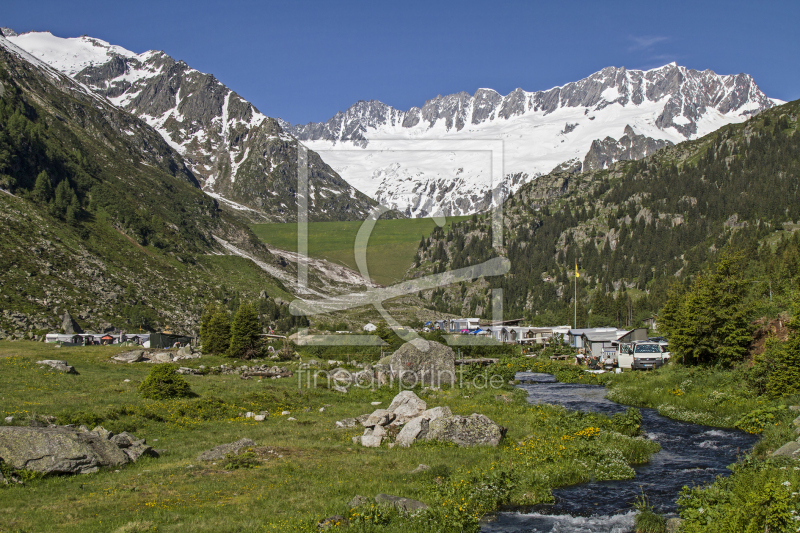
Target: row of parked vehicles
[637, 355]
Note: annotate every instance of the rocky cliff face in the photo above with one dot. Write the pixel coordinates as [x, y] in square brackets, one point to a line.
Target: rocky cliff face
[611, 115]
[240, 156]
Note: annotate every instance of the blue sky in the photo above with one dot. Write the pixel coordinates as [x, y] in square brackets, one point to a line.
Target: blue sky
[305, 60]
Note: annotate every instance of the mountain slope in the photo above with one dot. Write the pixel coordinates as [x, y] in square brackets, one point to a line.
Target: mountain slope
[612, 115]
[634, 228]
[101, 217]
[240, 156]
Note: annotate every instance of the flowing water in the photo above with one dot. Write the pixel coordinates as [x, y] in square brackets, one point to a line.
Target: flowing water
[690, 454]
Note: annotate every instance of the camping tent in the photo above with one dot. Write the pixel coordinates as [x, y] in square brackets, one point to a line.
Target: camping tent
[370, 327]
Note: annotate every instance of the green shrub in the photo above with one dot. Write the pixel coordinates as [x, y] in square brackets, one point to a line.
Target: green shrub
[647, 520]
[246, 459]
[629, 424]
[163, 382]
[757, 420]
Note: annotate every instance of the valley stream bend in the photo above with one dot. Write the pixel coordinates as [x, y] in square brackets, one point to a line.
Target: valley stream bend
[690, 454]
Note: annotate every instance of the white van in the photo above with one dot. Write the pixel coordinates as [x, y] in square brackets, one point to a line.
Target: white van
[639, 355]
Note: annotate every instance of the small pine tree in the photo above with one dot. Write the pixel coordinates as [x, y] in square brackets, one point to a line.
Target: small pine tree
[43, 189]
[163, 382]
[216, 335]
[245, 333]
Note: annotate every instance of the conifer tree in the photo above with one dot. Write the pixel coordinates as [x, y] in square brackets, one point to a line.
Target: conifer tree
[245, 333]
[216, 336]
[43, 189]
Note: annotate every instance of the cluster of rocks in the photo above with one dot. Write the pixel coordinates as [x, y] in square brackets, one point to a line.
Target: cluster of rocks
[152, 356]
[409, 419]
[57, 364]
[791, 448]
[67, 449]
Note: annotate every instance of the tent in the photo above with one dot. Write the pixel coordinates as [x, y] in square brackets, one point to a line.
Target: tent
[370, 327]
[428, 323]
[167, 340]
[476, 332]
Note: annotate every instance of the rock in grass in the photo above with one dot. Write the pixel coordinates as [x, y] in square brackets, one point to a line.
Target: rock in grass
[403, 504]
[219, 452]
[437, 412]
[58, 450]
[433, 366]
[339, 388]
[55, 364]
[413, 430]
[796, 421]
[134, 356]
[371, 441]
[357, 501]
[790, 449]
[406, 406]
[380, 417]
[473, 430]
[332, 521]
[420, 469]
[346, 423]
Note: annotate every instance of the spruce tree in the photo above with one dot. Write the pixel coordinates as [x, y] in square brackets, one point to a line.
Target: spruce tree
[43, 189]
[245, 333]
[216, 336]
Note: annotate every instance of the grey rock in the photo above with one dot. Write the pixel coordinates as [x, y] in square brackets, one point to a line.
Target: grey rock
[674, 525]
[137, 451]
[404, 504]
[134, 356]
[434, 366]
[630, 146]
[126, 440]
[473, 430]
[346, 423]
[796, 421]
[437, 412]
[371, 441]
[358, 501]
[417, 428]
[69, 325]
[339, 388]
[790, 449]
[420, 469]
[794, 408]
[405, 406]
[378, 431]
[9, 420]
[103, 432]
[61, 366]
[163, 357]
[57, 450]
[380, 417]
[219, 452]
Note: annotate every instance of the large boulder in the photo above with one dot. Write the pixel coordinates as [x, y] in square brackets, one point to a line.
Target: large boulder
[406, 406]
[380, 417]
[424, 362]
[69, 325]
[790, 449]
[219, 452]
[473, 430]
[58, 450]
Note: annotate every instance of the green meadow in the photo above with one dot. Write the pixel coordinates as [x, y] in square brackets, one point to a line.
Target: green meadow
[390, 252]
[307, 469]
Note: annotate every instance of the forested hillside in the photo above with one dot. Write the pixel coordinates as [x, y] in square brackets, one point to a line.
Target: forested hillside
[636, 228]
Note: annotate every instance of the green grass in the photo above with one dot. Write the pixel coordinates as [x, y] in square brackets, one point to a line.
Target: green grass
[391, 249]
[320, 469]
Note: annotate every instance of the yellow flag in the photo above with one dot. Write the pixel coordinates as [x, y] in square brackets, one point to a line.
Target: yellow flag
[576, 271]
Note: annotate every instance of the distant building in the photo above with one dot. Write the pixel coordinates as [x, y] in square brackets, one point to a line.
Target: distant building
[370, 327]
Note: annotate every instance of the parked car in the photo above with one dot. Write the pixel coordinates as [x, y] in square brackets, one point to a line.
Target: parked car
[647, 355]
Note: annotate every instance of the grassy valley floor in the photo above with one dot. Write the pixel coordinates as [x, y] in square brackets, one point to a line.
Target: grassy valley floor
[308, 470]
[391, 250]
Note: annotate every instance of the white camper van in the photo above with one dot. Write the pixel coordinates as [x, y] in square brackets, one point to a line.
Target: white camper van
[639, 355]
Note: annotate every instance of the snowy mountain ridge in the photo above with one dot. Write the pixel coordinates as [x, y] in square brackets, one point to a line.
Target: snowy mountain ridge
[613, 114]
[240, 156]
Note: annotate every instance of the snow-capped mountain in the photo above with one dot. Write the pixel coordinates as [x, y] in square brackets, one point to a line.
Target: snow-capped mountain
[613, 114]
[239, 155]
